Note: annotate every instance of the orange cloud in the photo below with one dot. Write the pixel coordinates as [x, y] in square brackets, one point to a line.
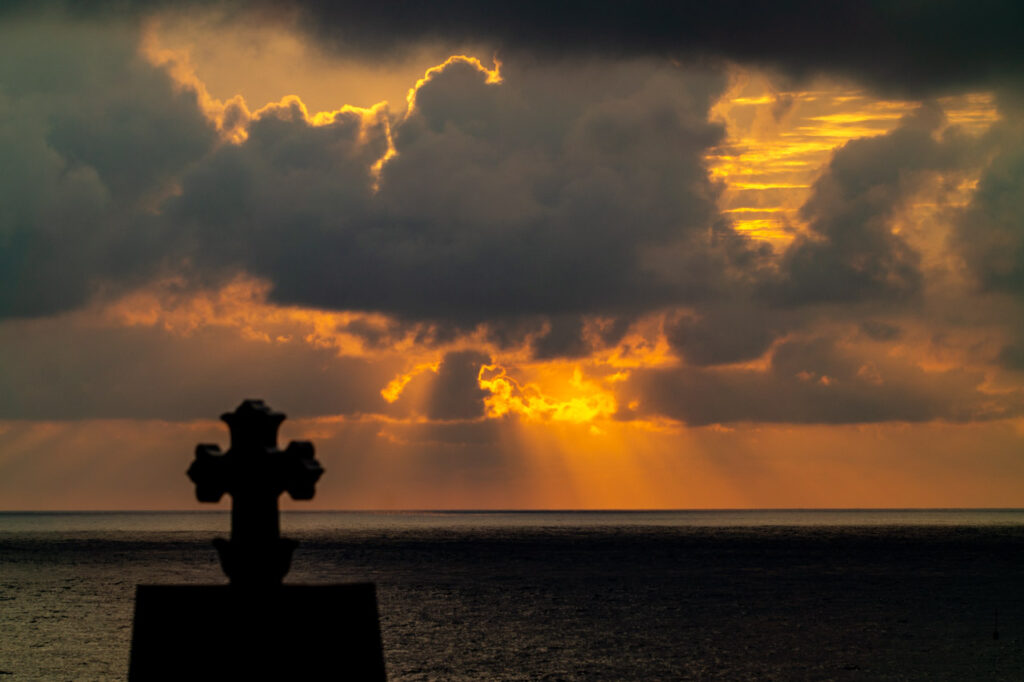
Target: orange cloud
[242, 304]
[581, 400]
[393, 391]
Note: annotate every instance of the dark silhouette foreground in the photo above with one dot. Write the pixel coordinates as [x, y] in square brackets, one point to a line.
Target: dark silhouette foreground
[255, 473]
[256, 628]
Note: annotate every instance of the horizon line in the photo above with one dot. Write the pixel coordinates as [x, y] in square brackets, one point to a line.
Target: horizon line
[520, 510]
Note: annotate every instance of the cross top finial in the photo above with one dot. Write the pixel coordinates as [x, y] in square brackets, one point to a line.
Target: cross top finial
[253, 424]
[255, 473]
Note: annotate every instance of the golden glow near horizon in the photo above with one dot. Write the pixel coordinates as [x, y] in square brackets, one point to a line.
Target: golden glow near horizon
[553, 465]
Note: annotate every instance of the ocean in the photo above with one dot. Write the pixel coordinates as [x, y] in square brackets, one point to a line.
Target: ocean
[679, 595]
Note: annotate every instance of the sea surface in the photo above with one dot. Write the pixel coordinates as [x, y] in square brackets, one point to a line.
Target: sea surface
[675, 595]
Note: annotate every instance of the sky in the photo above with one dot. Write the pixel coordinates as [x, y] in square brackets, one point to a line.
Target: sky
[519, 255]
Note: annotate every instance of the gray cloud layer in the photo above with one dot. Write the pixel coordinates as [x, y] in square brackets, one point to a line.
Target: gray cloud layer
[576, 187]
[815, 381]
[850, 253]
[906, 45]
[537, 196]
[92, 135]
[912, 46]
[70, 369]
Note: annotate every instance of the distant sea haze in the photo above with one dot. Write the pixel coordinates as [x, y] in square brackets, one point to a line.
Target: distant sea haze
[307, 521]
[605, 595]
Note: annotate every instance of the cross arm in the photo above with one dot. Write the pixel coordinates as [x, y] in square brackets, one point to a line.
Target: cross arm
[209, 472]
[302, 471]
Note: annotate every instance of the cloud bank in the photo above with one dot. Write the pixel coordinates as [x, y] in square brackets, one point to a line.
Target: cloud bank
[543, 205]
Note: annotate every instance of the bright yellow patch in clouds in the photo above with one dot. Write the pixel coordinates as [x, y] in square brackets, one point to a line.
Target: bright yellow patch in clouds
[551, 396]
[579, 391]
[393, 391]
[779, 142]
[291, 106]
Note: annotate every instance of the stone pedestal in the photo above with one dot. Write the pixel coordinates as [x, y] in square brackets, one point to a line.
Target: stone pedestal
[285, 632]
[255, 628]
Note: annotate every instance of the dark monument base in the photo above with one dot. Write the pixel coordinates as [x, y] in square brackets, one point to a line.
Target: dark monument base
[220, 632]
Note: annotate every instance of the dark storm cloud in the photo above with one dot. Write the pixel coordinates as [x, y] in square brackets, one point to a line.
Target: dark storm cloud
[724, 333]
[455, 392]
[564, 338]
[573, 188]
[851, 253]
[570, 189]
[1011, 357]
[289, 200]
[880, 331]
[814, 381]
[906, 45]
[91, 136]
[990, 232]
[538, 196]
[524, 205]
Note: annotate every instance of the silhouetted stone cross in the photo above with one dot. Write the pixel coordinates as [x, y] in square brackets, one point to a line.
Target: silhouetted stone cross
[255, 473]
